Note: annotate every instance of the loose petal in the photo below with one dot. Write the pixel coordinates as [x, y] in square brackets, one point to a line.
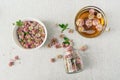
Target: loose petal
[52, 60]
[71, 31]
[62, 36]
[69, 48]
[17, 58]
[59, 56]
[11, 63]
[84, 48]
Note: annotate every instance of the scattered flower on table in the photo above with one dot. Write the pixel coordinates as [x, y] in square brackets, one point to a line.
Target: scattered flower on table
[52, 60]
[83, 47]
[59, 56]
[13, 61]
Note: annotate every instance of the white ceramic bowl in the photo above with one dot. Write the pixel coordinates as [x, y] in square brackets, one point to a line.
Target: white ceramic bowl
[15, 37]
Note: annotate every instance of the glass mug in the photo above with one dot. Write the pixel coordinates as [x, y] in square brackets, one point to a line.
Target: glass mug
[90, 21]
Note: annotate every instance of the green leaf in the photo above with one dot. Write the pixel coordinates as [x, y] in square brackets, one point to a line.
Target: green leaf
[62, 30]
[19, 23]
[63, 26]
[21, 40]
[66, 39]
[66, 42]
[25, 33]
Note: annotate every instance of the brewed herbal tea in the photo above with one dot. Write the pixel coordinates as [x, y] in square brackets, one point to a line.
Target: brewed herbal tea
[90, 21]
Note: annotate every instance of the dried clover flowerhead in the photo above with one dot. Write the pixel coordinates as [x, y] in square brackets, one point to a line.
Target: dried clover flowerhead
[59, 56]
[91, 16]
[69, 48]
[52, 42]
[58, 45]
[62, 35]
[52, 60]
[99, 15]
[91, 11]
[11, 63]
[84, 48]
[80, 22]
[49, 45]
[71, 31]
[16, 57]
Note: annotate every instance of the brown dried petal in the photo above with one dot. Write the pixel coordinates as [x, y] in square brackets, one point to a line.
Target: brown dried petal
[52, 60]
[71, 31]
[59, 56]
[54, 41]
[16, 57]
[62, 36]
[11, 63]
[49, 45]
[58, 45]
[84, 48]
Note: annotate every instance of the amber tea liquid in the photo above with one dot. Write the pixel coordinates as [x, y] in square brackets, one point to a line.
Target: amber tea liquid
[84, 14]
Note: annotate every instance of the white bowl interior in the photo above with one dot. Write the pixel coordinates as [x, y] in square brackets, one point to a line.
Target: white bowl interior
[15, 37]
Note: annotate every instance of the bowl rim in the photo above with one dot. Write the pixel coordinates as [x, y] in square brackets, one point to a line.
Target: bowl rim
[15, 34]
